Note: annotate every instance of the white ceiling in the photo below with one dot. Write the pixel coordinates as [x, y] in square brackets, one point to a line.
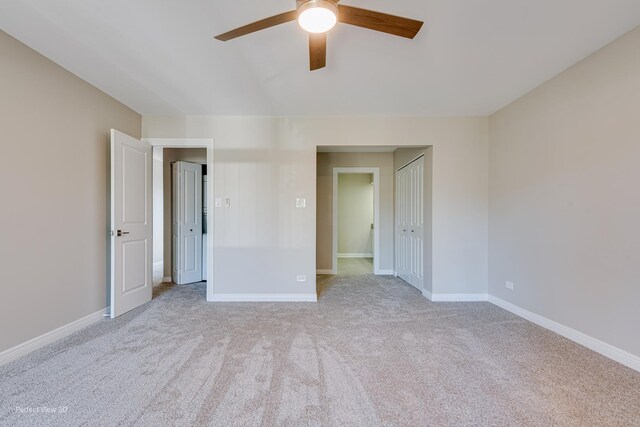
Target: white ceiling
[471, 58]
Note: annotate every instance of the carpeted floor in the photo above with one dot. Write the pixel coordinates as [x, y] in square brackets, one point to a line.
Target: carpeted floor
[355, 266]
[371, 352]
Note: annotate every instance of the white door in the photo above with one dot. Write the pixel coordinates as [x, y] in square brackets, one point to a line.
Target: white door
[187, 223]
[410, 223]
[402, 225]
[131, 223]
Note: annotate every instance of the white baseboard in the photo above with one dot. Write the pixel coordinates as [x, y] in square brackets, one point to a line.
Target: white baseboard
[50, 337]
[385, 273]
[355, 255]
[454, 297]
[167, 279]
[607, 350]
[325, 272]
[264, 298]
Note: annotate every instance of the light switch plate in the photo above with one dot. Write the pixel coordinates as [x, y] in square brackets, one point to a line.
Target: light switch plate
[301, 278]
[301, 203]
[508, 285]
[218, 202]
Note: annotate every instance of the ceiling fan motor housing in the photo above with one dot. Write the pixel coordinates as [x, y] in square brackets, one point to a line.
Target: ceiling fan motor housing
[302, 5]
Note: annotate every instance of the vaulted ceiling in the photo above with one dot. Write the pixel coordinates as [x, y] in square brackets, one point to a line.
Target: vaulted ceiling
[472, 57]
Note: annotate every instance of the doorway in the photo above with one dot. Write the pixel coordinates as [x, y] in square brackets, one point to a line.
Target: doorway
[355, 223]
[331, 162]
[165, 204]
[131, 193]
[164, 155]
[356, 212]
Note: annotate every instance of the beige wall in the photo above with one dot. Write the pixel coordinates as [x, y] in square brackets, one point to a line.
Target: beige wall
[355, 213]
[169, 156]
[54, 175]
[264, 163]
[324, 222]
[402, 157]
[565, 197]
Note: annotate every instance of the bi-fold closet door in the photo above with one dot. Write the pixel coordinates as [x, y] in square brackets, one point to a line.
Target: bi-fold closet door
[187, 223]
[410, 223]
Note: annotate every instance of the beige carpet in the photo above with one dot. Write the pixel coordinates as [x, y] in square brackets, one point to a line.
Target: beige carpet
[371, 352]
[355, 266]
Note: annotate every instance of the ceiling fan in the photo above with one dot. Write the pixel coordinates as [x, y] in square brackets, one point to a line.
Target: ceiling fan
[317, 17]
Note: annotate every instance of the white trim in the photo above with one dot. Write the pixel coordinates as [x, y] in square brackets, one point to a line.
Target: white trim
[180, 142]
[355, 255]
[168, 279]
[50, 337]
[385, 272]
[409, 162]
[376, 213]
[454, 297]
[614, 353]
[329, 271]
[265, 298]
[209, 145]
[157, 229]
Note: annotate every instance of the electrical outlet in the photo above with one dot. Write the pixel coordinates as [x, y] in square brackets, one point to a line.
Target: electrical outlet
[227, 202]
[218, 202]
[508, 285]
[301, 278]
[301, 203]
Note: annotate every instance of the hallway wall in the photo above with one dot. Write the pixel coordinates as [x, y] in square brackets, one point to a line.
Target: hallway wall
[355, 214]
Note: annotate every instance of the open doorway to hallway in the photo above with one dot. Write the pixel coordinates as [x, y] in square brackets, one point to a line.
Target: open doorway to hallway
[131, 194]
[354, 214]
[397, 182]
[180, 215]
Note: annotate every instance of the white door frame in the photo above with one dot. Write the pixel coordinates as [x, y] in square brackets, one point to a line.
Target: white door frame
[376, 214]
[197, 143]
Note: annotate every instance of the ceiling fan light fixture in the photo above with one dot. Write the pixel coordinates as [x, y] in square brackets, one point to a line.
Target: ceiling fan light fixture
[317, 16]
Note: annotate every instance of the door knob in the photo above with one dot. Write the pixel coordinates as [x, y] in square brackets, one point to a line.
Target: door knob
[121, 233]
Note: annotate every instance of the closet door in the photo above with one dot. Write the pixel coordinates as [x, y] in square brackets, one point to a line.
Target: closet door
[402, 225]
[409, 223]
[187, 223]
[415, 236]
